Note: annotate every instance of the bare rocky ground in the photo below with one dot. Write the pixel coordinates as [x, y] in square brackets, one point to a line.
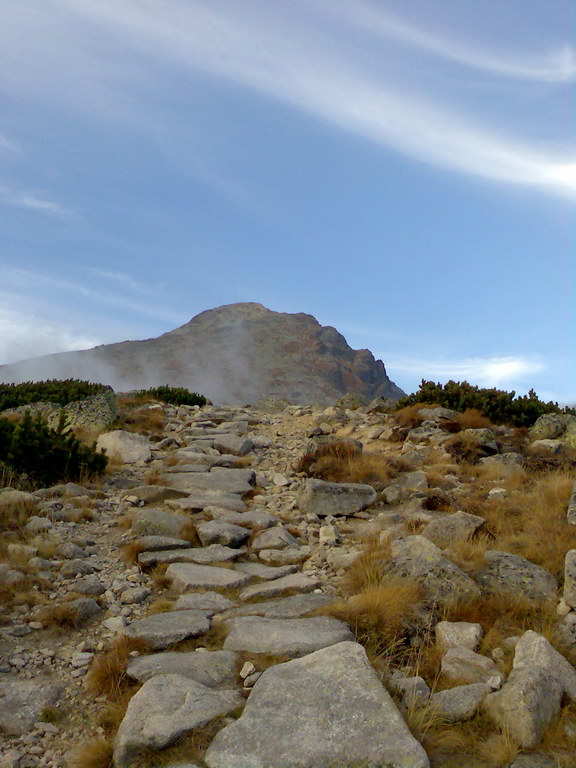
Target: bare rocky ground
[270, 619]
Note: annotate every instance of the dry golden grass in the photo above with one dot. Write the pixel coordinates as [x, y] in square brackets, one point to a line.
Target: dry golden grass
[376, 469]
[15, 515]
[382, 617]
[61, 614]
[162, 605]
[112, 713]
[472, 418]
[140, 419]
[153, 477]
[529, 521]
[410, 416]
[107, 674]
[560, 739]
[369, 568]
[95, 753]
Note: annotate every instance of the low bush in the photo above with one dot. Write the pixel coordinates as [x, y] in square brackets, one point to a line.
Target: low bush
[499, 406]
[172, 395]
[53, 390]
[40, 456]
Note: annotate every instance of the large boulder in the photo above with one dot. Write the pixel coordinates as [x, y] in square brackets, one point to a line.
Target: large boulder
[530, 700]
[164, 709]
[126, 447]
[451, 529]
[570, 578]
[504, 572]
[321, 498]
[549, 426]
[238, 481]
[92, 413]
[417, 558]
[156, 522]
[215, 669]
[326, 709]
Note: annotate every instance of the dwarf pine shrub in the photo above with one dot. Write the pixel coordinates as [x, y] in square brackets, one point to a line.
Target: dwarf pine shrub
[173, 395]
[53, 391]
[40, 456]
[499, 406]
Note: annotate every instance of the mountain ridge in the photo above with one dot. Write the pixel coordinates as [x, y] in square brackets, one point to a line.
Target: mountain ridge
[235, 353]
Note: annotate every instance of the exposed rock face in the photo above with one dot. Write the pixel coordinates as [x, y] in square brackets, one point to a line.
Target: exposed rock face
[235, 354]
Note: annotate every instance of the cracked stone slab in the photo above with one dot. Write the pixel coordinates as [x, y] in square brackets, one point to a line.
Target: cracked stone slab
[297, 582]
[269, 572]
[199, 500]
[208, 602]
[214, 669]
[163, 629]
[234, 481]
[324, 710]
[215, 553]
[284, 608]
[221, 532]
[284, 637]
[187, 576]
[321, 498]
[165, 708]
[22, 702]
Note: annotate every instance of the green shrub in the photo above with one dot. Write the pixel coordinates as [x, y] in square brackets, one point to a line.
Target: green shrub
[497, 405]
[41, 456]
[53, 391]
[173, 395]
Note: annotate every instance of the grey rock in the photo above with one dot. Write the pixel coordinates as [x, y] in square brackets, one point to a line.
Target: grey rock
[134, 595]
[296, 582]
[534, 760]
[90, 585]
[235, 481]
[287, 556]
[127, 447]
[270, 572]
[156, 522]
[513, 573]
[215, 553]
[163, 629]
[346, 717]
[165, 708]
[323, 499]
[207, 602]
[76, 568]
[253, 518]
[153, 494]
[187, 576]
[549, 426]
[458, 634]
[220, 532]
[22, 702]
[274, 538]
[464, 666]
[450, 529]
[284, 637]
[200, 499]
[159, 543]
[236, 445]
[459, 703]
[570, 578]
[530, 700]
[71, 551]
[484, 439]
[417, 558]
[214, 669]
[37, 524]
[285, 608]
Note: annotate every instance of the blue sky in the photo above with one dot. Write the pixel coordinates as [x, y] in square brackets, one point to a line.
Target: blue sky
[405, 172]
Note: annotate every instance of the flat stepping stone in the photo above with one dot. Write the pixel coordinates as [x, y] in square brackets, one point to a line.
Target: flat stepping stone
[22, 702]
[221, 532]
[285, 637]
[215, 669]
[164, 709]
[183, 469]
[187, 576]
[237, 445]
[153, 494]
[199, 500]
[164, 629]
[268, 572]
[238, 481]
[156, 522]
[253, 518]
[215, 553]
[208, 602]
[159, 543]
[289, 556]
[285, 608]
[321, 498]
[297, 582]
[324, 710]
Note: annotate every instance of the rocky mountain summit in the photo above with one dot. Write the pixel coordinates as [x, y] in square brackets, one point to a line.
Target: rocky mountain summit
[235, 354]
[311, 588]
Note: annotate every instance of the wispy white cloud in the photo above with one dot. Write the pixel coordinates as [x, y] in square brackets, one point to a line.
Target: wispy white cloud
[33, 202]
[291, 58]
[507, 372]
[6, 144]
[25, 334]
[556, 66]
[122, 278]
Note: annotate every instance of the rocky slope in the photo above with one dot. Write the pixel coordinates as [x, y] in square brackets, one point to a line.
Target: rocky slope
[235, 354]
[222, 632]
